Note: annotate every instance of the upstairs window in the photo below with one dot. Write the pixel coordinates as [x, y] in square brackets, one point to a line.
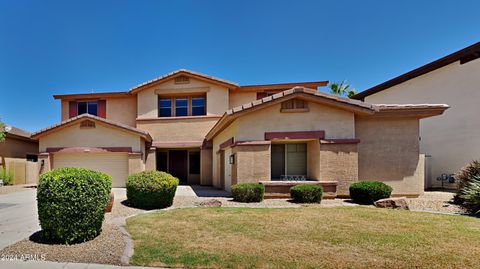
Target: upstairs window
[181, 106]
[198, 106]
[165, 107]
[87, 108]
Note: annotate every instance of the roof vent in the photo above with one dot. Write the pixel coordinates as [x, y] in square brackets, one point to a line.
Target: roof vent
[182, 80]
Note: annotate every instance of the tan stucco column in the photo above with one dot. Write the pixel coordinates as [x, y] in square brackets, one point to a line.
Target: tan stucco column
[45, 162]
[151, 159]
[206, 155]
[135, 163]
[339, 162]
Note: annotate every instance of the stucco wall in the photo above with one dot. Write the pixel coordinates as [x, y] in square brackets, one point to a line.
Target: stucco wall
[238, 98]
[17, 148]
[122, 110]
[452, 138]
[335, 122]
[206, 172]
[192, 129]
[389, 151]
[147, 99]
[100, 136]
[65, 110]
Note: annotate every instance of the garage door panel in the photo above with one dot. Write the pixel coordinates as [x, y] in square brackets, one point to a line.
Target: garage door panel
[114, 164]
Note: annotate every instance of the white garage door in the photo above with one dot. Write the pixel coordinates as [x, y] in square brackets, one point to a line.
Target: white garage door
[114, 164]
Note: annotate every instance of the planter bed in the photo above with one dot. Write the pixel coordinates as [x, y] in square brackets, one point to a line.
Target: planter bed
[281, 189]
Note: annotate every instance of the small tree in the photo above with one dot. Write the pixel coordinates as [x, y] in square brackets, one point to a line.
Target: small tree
[2, 131]
[342, 89]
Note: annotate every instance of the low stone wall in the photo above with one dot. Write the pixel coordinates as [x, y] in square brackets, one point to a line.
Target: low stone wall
[281, 189]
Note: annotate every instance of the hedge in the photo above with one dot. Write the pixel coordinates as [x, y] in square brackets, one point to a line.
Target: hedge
[367, 192]
[248, 192]
[306, 193]
[151, 189]
[71, 204]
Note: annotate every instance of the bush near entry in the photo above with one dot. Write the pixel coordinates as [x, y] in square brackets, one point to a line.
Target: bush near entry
[307, 193]
[367, 192]
[151, 189]
[71, 204]
[248, 192]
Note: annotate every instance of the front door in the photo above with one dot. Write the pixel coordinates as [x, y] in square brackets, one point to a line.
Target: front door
[177, 164]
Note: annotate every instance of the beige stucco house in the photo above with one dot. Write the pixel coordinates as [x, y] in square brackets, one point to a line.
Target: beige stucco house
[451, 141]
[210, 131]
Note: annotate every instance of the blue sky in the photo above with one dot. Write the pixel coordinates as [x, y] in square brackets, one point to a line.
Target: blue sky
[53, 47]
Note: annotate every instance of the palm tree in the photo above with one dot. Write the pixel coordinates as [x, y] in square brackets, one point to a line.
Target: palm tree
[342, 89]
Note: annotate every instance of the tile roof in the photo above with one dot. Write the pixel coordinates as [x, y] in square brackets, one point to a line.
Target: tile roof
[17, 131]
[185, 71]
[421, 110]
[294, 90]
[144, 134]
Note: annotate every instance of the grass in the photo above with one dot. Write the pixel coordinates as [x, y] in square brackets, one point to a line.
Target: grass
[308, 237]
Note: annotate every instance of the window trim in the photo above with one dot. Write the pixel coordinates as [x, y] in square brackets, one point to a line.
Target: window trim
[174, 106]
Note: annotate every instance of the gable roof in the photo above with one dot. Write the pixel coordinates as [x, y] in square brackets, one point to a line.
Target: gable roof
[355, 106]
[184, 72]
[76, 119]
[464, 55]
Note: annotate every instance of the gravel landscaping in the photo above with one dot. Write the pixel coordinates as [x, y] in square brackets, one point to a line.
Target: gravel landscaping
[435, 201]
[107, 248]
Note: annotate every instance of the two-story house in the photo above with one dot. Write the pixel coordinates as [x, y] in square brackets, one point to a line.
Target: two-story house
[209, 131]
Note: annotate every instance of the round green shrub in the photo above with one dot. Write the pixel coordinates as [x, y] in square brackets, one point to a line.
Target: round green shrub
[151, 189]
[306, 193]
[367, 192]
[248, 192]
[71, 204]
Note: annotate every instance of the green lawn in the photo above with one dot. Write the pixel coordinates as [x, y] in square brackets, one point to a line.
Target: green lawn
[308, 237]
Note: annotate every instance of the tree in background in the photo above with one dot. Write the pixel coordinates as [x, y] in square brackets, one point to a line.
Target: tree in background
[2, 131]
[342, 89]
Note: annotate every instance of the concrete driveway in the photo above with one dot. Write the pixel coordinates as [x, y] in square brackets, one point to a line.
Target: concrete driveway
[18, 216]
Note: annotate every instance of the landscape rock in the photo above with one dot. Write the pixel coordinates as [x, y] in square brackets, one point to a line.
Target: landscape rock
[210, 203]
[393, 203]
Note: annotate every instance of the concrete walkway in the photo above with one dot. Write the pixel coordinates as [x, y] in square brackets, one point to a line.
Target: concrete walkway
[18, 216]
[60, 265]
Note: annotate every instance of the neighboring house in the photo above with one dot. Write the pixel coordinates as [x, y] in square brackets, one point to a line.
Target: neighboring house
[210, 131]
[15, 151]
[451, 141]
[18, 144]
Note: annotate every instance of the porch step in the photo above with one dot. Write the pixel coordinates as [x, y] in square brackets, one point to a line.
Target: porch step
[281, 189]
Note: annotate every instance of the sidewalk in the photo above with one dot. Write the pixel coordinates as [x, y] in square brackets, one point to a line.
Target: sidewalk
[60, 265]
